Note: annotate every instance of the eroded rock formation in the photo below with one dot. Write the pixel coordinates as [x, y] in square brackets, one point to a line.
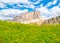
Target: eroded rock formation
[34, 17]
[30, 17]
[55, 20]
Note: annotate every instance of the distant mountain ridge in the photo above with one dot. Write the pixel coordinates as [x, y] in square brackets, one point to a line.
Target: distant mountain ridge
[34, 17]
[55, 20]
[30, 17]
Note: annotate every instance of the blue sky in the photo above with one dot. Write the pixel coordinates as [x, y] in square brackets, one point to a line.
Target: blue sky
[11, 8]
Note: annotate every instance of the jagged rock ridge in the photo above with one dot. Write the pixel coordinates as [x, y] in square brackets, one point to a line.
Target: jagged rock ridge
[30, 17]
[34, 17]
[55, 20]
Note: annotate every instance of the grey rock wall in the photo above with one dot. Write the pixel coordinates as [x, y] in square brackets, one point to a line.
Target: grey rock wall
[55, 20]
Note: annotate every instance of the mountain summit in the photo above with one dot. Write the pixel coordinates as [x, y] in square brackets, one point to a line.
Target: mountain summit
[30, 17]
[54, 20]
[34, 17]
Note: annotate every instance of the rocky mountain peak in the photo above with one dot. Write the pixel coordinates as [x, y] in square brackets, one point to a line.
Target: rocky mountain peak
[30, 17]
[34, 17]
[54, 20]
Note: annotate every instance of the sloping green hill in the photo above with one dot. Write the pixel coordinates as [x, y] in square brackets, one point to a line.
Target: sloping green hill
[11, 32]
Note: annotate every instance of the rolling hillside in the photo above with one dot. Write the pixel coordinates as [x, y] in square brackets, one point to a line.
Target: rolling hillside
[12, 32]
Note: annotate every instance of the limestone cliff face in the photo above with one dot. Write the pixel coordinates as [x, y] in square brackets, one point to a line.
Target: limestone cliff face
[55, 20]
[34, 17]
[30, 17]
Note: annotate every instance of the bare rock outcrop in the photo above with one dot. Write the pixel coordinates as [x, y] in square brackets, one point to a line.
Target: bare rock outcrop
[30, 17]
[34, 17]
[55, 20]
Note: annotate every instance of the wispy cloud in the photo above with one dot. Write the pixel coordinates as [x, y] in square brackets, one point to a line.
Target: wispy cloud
[11, 13]
[14, 1]
[16, 7]
[5, 18]
[2, 5]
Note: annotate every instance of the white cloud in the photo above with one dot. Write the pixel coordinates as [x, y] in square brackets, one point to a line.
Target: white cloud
[55, 11]
[2, 5]
[43, 10]
[54, 2]
[29, 6]
[13, 12]
[14, 1]
[5, 18]
[38, 1]
[51, 3]
[11, 2]
[32, 6]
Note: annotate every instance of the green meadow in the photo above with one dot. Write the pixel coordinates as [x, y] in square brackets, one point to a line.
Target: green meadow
[12, 32]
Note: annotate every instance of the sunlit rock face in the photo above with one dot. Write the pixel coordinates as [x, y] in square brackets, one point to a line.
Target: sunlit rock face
[30, 17]
[34, 17]
[55, 20]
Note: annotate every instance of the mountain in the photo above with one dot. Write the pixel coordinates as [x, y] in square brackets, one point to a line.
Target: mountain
[55, 20]
[30, 17]
[34, 17]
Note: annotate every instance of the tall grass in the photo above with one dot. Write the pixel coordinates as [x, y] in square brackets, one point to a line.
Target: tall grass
[12, 32]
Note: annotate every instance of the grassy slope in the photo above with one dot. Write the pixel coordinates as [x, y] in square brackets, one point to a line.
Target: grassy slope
[24, 33]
